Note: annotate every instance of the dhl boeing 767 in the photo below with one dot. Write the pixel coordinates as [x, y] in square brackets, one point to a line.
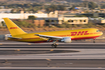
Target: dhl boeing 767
[66, 36]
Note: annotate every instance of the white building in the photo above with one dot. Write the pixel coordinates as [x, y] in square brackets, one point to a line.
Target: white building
[21, 15]
[52, 17]
[5, 10]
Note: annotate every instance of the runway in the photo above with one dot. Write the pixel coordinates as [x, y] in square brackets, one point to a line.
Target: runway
[48, 45]
[48, 68]
[41, 56]
[53, 63]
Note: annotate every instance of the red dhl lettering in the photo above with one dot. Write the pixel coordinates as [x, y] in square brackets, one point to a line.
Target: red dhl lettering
[13, 27]
[79, 33]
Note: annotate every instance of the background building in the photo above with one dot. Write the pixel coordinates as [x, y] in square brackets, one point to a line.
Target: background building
[76, 20]
[21, 15]
[97, 20]
[51, 18]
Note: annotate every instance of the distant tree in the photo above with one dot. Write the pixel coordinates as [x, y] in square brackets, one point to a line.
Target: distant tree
[55, 22]
[28, 5]
[92, 5]
[80, 16]
[97, 12]
[55, 7]
[47, 24]
[25, 24]
[73, 8]
[61, 7]
[32, 17]
[68, 25]
[61, 26]
[83, 4]
[75, 26]
[83, 26]
[103, 6]
[49, 21]
[39, 26]
[86, 11]
[90, 24]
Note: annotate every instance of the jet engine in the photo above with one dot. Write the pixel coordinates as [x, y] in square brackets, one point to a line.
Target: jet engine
[66, 40]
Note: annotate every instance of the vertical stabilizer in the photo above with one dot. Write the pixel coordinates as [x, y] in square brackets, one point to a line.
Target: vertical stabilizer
[13, 28]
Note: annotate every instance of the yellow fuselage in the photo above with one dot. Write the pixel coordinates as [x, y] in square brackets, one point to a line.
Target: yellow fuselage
[89, 33]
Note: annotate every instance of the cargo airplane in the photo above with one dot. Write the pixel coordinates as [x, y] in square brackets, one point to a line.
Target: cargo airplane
[66, 36]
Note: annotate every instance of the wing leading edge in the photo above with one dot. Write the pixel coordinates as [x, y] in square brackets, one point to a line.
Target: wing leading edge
[49, 37]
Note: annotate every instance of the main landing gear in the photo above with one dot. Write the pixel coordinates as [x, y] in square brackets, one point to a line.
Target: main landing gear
[93, 40]
[54, 44]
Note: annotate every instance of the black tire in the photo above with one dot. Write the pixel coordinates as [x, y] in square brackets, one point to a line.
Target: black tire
[54, 45]
[94, 41]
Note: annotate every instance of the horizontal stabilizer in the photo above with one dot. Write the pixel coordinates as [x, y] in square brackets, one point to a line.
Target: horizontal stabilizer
[14, 37]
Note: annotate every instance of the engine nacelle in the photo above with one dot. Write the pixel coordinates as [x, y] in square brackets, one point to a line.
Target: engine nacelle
[66, 40]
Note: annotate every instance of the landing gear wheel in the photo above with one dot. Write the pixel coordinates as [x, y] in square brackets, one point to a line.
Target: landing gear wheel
[93, 40]
[54, 45]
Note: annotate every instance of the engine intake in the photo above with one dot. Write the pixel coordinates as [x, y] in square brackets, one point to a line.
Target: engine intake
[66, 40]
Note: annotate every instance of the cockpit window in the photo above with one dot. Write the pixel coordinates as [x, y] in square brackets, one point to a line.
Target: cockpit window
[98, 31]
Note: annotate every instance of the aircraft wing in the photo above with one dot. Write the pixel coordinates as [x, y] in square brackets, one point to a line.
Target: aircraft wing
[49, 37]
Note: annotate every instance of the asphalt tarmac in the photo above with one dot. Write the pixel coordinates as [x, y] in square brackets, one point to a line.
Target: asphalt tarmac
[97, 63]
[48, 68]
[48, 45]
[41, 56]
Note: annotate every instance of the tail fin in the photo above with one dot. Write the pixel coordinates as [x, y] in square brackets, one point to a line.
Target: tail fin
[13, 28]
